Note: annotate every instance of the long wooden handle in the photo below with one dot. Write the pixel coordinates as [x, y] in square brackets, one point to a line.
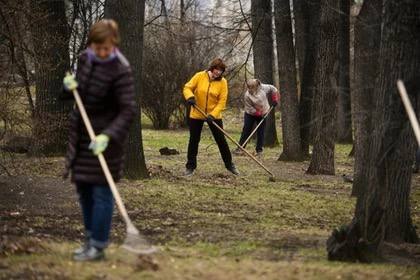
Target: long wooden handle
[409, 109]
[234, 141]
[256, 128]
[103, 163]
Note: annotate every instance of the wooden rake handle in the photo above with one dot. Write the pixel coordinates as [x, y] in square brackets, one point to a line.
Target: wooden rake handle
[104, 165]
[256, 128]
[409, 109]
[236, 143]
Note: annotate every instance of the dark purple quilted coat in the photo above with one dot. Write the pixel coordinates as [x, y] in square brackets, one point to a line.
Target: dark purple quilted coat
[107, 91]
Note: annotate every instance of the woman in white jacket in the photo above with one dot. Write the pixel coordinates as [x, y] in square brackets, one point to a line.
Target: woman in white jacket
[257, 100]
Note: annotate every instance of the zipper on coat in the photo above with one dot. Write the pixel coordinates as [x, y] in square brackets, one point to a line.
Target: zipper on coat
[207, 96]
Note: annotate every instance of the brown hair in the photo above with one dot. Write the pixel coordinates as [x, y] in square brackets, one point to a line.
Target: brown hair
[102, 30]
[217, 64]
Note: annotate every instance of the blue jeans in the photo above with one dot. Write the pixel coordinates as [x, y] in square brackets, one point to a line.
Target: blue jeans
[97, 205]
[249, 121]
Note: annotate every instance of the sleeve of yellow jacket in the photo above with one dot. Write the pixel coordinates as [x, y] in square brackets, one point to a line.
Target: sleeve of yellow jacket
[190, 87]
[221, 103]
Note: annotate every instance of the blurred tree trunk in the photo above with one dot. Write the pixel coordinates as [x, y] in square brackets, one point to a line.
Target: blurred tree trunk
[50, 37]
[301, 12]
[311, 41]
[344, 128]
[366, 60]
[263, 57]
[325, 94]
[287, 77]
[130, 17]
[383, 206]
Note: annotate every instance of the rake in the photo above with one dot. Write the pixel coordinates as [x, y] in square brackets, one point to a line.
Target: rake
[256, 128]
[271, 178]
[134, 241]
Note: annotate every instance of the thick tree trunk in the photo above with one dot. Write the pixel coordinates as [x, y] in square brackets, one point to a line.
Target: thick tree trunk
[50, 38]
[344, 128]
[393, 146]
[383, 206]
[263, 57]
[307, 83]
[325, 94]
[366, 60]
[288, 88]
[130, 16]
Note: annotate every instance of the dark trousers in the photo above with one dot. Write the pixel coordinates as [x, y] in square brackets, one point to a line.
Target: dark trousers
[97, 204]
[249, 121]
[195, 134]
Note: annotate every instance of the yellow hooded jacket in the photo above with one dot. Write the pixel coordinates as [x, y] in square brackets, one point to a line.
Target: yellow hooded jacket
[210, 96]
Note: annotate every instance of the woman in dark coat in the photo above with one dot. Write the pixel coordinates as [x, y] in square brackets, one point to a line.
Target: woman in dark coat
[105, 83]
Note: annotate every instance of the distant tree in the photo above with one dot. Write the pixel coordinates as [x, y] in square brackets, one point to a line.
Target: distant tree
[325, 92]
[15, 38]
[301, 12]
[309, 45]
[288, 87]
[50, 36]
[81, 15]
[367, 43]
[344, 127]
[263, 56]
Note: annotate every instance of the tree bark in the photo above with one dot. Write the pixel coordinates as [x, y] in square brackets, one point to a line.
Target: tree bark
[366, 60]
[301, 14]
[344, 128]
[383, 206]
[393, 145]
[325, 94]
[263, 57]
[130, 16]
[288, 87]
[50, 37]
[312, 31]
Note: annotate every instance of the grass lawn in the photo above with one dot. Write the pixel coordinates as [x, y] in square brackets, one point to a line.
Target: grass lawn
[210, 226]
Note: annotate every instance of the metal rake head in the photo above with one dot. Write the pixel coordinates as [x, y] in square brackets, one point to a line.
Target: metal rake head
[136, 243]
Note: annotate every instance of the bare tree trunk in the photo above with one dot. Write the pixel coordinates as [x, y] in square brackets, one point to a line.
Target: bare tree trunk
[308, 72]
[288, 88]
[383, 206]
[14, 23]
[50, 38]
[182, 11]
[301, 12]
[392, 147]
[344, 128]
[366, 57]
[130, 16]
[325, 97]
[263, 57]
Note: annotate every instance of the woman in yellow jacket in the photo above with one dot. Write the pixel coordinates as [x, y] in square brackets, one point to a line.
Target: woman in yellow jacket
[207, 90]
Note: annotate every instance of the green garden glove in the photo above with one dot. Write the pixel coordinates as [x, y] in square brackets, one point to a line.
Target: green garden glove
[99, 145]
[70, 82]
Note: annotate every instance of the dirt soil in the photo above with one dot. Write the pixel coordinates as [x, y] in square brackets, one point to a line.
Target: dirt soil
[211, 226]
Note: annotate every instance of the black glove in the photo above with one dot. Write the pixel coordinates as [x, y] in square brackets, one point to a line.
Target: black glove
[274, 103]
[191, 101]
[210, 118]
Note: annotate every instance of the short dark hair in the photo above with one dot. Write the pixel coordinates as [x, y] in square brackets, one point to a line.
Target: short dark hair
[217, 64]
